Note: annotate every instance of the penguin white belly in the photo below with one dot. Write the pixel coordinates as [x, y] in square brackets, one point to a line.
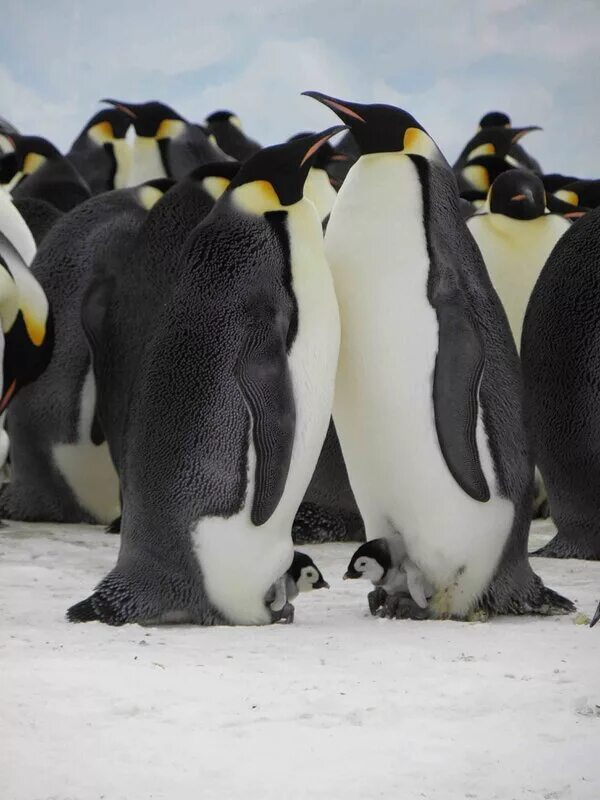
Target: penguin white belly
[515, 252]
[239, 560]
[147, 164]
[383, 406]
[87, 468]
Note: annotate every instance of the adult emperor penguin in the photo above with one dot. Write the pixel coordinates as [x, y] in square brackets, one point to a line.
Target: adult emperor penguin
[101, 153]
[515, 236]
[166, 145]
[495, 119]
[61, 468]
[227, 131]
[561, 368]
[496, 141]
[245, 350]
[428, 394]
[41, 171]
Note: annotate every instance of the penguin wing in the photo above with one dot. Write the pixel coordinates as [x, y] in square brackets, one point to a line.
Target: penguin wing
[264, 379]
[93, 314]
[458, 369]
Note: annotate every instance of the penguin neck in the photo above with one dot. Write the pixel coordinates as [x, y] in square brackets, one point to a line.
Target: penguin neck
[148, 162]
[123, 161]
[319, 191]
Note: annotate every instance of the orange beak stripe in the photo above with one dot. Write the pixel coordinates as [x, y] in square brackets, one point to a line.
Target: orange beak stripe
[7, 395]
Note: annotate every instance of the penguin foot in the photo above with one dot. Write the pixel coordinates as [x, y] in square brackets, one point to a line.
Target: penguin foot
[94, 609]
[399, 606]
[285, 616]
[376, 599]
[115, 526]
[564, 547]
[520, 592]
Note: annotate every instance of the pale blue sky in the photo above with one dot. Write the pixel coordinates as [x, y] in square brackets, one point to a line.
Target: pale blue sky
[445, 61]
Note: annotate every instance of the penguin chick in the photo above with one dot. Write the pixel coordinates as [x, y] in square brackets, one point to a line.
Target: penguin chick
[392, 573]
[302, 576]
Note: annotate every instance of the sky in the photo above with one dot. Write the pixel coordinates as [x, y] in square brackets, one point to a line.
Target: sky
[445, 61]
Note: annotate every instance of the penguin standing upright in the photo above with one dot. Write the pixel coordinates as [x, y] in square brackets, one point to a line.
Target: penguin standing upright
[165, 145]
[227, 131]
[428, 403]
[245, 350]
[498, 119]
[561, 369]
[61, 468]
[496, 141]
[101, 153]
[515, 237]
[318, 188]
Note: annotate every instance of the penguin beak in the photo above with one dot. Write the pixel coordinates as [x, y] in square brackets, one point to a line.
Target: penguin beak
[517, 197]
[321, 584]
[351, 574]
[317, 140]
[339, 157]
[6, 397]
[596, 617]
[346, 111]
[126, 109]
[518, 133]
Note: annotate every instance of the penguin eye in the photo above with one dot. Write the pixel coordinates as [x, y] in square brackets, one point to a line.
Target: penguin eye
[310, 574]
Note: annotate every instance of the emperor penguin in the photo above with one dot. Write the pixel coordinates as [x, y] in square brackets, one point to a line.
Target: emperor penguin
[428, 396]
[42, 172]
[584, 193]
[561, 368]
[515, 236]
[61, 468]
[226, 129]
[166, 145]
[496, 141]
[318, 186]
[101, 153]
[245, 350]
[495, 119]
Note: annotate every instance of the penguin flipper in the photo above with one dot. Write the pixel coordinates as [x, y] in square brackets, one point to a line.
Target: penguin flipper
[264, 379]
[458, 370]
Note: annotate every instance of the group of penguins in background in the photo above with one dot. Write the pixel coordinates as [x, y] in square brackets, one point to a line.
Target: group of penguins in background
[182, 310]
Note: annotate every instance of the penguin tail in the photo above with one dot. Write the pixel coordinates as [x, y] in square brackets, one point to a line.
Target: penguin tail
[95, 608]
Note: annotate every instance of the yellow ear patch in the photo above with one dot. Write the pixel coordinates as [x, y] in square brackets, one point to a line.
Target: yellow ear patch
[257, 197]
[486, 149]
[31, 162]
[236, 122]
[149, 196]
[102, 132]
[213, 140]
[568, 196]
[170, 129]
[215, 186]
[477, 176]
[36, 330]
[419, 143]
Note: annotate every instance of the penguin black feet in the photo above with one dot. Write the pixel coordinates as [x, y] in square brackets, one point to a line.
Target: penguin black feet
[94, 609]
[399, 606]
[521, 591]
[285, 616]
[563, 546]
[376, 599]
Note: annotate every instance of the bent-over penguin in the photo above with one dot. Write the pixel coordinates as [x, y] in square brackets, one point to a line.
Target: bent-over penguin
[227, 131]
[245, 350]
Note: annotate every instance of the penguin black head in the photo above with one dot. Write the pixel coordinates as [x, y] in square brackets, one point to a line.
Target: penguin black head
[28, 331]
[517, 194]
[372, 560]
[227, 117]
[482, 171]
[305, 573]
[152, 120]
[493, 141]
[325, 154]
[581, 193]
[215, 177]
[29, 154]
[106, 125]
[495, 119]
[278, 173]
[381, 128]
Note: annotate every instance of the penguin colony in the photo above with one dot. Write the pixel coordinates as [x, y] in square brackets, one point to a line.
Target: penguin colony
[219, 349]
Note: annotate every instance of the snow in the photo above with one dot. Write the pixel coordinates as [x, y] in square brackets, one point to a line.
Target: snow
[338, 705]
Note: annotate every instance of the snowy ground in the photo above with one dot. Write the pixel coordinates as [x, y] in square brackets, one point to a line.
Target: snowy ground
[338, 705]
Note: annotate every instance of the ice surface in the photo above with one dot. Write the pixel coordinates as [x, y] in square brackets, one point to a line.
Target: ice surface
[338, 705]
